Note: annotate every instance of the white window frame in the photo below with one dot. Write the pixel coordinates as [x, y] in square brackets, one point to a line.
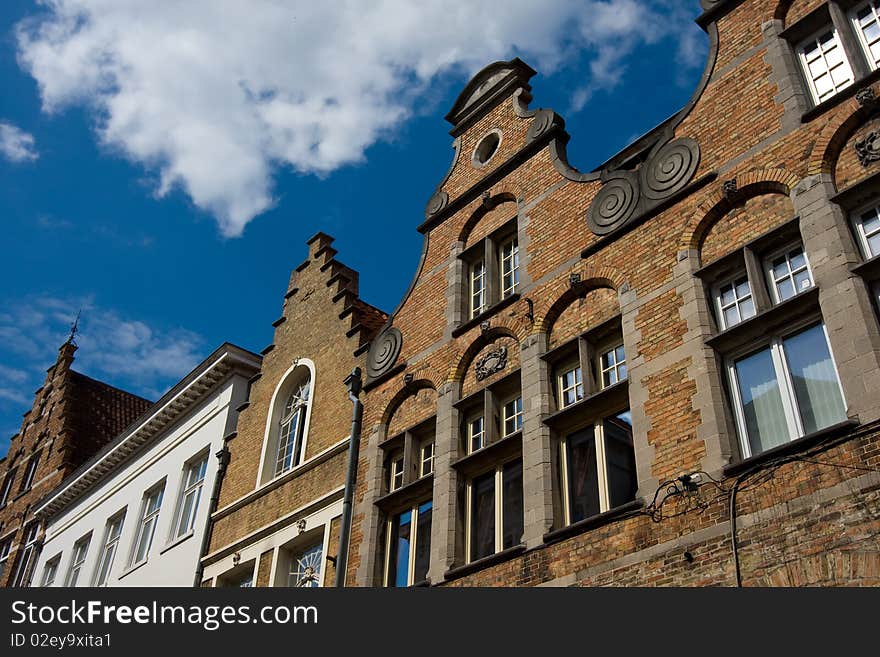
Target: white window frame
[813, 40]
[269, 453]
[28, 553]
[771, 277]
[857, 28]
[577, 388]
[5, 549]
[614, 367]
[190, 489]
[395, 473]
[499, 509]
[413, 542]
[50, 570]
[509, 251]
[30, 472]
[471, 434]
[77, 560]
[861, 233]
[291, 429]
[110, 547]
[8, 482]
[426, 459]
[477, 287]
[737, 300]
[783, 377]
[147, 517]
[516, 416]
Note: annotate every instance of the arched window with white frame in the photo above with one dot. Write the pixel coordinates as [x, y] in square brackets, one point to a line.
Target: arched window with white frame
[287, 425]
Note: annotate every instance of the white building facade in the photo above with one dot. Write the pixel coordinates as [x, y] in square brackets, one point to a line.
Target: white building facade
[137, 513]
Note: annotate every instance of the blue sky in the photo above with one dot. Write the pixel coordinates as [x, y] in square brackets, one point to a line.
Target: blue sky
[163, 163]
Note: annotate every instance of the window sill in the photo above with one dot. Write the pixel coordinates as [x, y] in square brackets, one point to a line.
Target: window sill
[492, 560]
[599, 404]
[177, 541]
[408, 494]
[869, 269]
[581, 526]
[844, 95]
[493, 453]
[858, 194]
[766, 321]
[486, 314]
[128, 571]
[792, 447]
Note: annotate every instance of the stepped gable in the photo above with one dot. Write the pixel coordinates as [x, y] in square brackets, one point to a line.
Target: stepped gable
[365, 320]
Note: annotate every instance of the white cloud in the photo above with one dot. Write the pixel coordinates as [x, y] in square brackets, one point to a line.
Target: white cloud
[125, 352]
[214, 95]
[16, 145]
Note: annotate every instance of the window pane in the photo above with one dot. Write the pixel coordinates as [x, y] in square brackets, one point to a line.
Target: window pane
[483, 516]
[814, 379]
[761, 402]
[423, 543]
[512, 496]
[583, 482]
[401, 531]
[621, 460]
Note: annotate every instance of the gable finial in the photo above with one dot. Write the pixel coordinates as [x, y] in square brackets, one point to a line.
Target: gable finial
[74, 329]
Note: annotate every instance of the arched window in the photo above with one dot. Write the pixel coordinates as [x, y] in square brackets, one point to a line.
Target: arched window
[291, 429]
[287, 424]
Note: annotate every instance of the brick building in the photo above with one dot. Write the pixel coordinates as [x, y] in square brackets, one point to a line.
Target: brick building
[277, 522]
[72, 417]
[662, 371]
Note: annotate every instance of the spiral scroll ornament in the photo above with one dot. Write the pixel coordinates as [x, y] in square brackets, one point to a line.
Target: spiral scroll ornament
[670, 169]
[614, 204]
[436, 203]
[543, 121]
[384, 352]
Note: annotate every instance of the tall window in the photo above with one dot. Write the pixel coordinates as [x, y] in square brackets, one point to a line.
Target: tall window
[475, 434]
[291, 430]
[494, 510]
[5, 547]
[193, 482]
[7, 487]
[28, 556]
[598, 467]
[50, 571]
[478, 288]
[77, 559]
[509, 267]
[305, 566]
[31, 470]
[408, 547]
[150, 507]
[112, 532]
[426, 458]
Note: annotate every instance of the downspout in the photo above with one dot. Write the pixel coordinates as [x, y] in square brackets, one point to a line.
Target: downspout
[353, 381]
[223, 457]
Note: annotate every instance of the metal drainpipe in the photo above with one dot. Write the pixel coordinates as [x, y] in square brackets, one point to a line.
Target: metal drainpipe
[353, 381]
[222, 456]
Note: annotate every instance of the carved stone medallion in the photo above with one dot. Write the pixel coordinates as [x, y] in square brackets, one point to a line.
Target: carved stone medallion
[493, 361]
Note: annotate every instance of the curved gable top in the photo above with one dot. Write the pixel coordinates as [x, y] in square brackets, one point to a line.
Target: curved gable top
[486, 89]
